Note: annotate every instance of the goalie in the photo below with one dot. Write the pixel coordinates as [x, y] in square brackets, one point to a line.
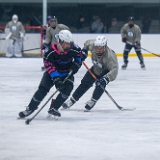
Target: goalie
[14, 35]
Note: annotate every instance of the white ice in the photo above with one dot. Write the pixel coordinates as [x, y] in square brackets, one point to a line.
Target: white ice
[105, 133]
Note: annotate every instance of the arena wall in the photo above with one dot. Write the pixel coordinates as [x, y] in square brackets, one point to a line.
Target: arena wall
[149, 42]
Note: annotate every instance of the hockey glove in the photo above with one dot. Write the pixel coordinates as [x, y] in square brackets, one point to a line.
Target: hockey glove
[84, 54]
[103, 81]
[137, 44]
[75, 67]
[124, 40]
[44, 30]
[44, 46]
[58, 83]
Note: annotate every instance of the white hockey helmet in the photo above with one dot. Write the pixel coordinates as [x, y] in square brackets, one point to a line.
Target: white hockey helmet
[65, 36]
[14, 18]
[100, 41]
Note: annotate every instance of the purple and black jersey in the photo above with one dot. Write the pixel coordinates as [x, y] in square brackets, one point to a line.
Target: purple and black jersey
[61, 62]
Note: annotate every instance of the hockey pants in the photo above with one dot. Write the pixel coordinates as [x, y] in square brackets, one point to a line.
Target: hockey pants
[87, 83]
[127, 49]
[44, 87]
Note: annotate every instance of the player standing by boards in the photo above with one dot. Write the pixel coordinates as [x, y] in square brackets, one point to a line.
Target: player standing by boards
[59, 60]
[14, 35]
[105, 68]
[131, 35]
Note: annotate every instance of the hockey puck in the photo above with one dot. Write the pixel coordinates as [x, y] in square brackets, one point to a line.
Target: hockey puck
[27, 121]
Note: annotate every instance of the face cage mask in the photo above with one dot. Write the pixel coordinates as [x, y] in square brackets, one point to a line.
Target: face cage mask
[67, 49]
[14, 20]
[98, 53]
[53, 24]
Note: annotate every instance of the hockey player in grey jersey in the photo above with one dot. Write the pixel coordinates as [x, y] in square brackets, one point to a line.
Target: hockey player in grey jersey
[105, 68]
[14, 33]
[131, 33]
[52, 30]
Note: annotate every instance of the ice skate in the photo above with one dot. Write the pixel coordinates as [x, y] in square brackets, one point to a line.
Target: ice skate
[124, 66]
[69, 103]
[53, 114]
[18, 55]
[90, 104]
[26, 113]
[143, 66]
[9, 55]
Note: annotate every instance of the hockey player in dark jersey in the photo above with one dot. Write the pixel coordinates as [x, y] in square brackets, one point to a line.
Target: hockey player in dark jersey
[59, 60]
[51, 31]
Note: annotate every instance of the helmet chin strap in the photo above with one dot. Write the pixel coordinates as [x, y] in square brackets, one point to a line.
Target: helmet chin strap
[100, 54]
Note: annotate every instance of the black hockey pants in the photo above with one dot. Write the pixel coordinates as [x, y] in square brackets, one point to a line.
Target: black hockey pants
[44, 87]
[127, 49]
[87, 83]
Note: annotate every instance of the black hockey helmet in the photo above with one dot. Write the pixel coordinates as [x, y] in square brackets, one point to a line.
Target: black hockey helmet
[131, 18]
[53, 21]
[54, 18]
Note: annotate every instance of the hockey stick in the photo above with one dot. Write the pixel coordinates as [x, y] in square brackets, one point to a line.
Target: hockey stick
[30, 49]
[14, 38]
[142, 48]
[119, 107]
[2, 38]
[8, 36]
[30, 119]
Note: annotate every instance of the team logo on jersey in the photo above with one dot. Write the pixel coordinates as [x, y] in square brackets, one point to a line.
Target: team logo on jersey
[130, 34]
[97, 64]
[46, 50]
[14, 28]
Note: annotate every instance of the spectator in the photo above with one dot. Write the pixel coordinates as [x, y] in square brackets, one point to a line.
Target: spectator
[97, 26]
[33, 20]
[114, 22]
[146, 22]
[14, 35]
[114, 26]
[81, 23]
[107, 24]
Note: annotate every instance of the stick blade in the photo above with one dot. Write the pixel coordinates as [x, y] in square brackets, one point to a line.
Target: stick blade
[27, 121]
[128, 109]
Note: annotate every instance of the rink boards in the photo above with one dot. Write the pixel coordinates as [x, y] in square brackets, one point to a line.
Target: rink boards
[148, 42]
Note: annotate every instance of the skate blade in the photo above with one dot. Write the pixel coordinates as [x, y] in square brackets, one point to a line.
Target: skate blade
[21, 118]
[52, 117]
[86, 110]
[65, 108]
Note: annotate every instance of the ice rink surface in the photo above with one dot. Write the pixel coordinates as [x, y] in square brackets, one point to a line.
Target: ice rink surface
[105, 133]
